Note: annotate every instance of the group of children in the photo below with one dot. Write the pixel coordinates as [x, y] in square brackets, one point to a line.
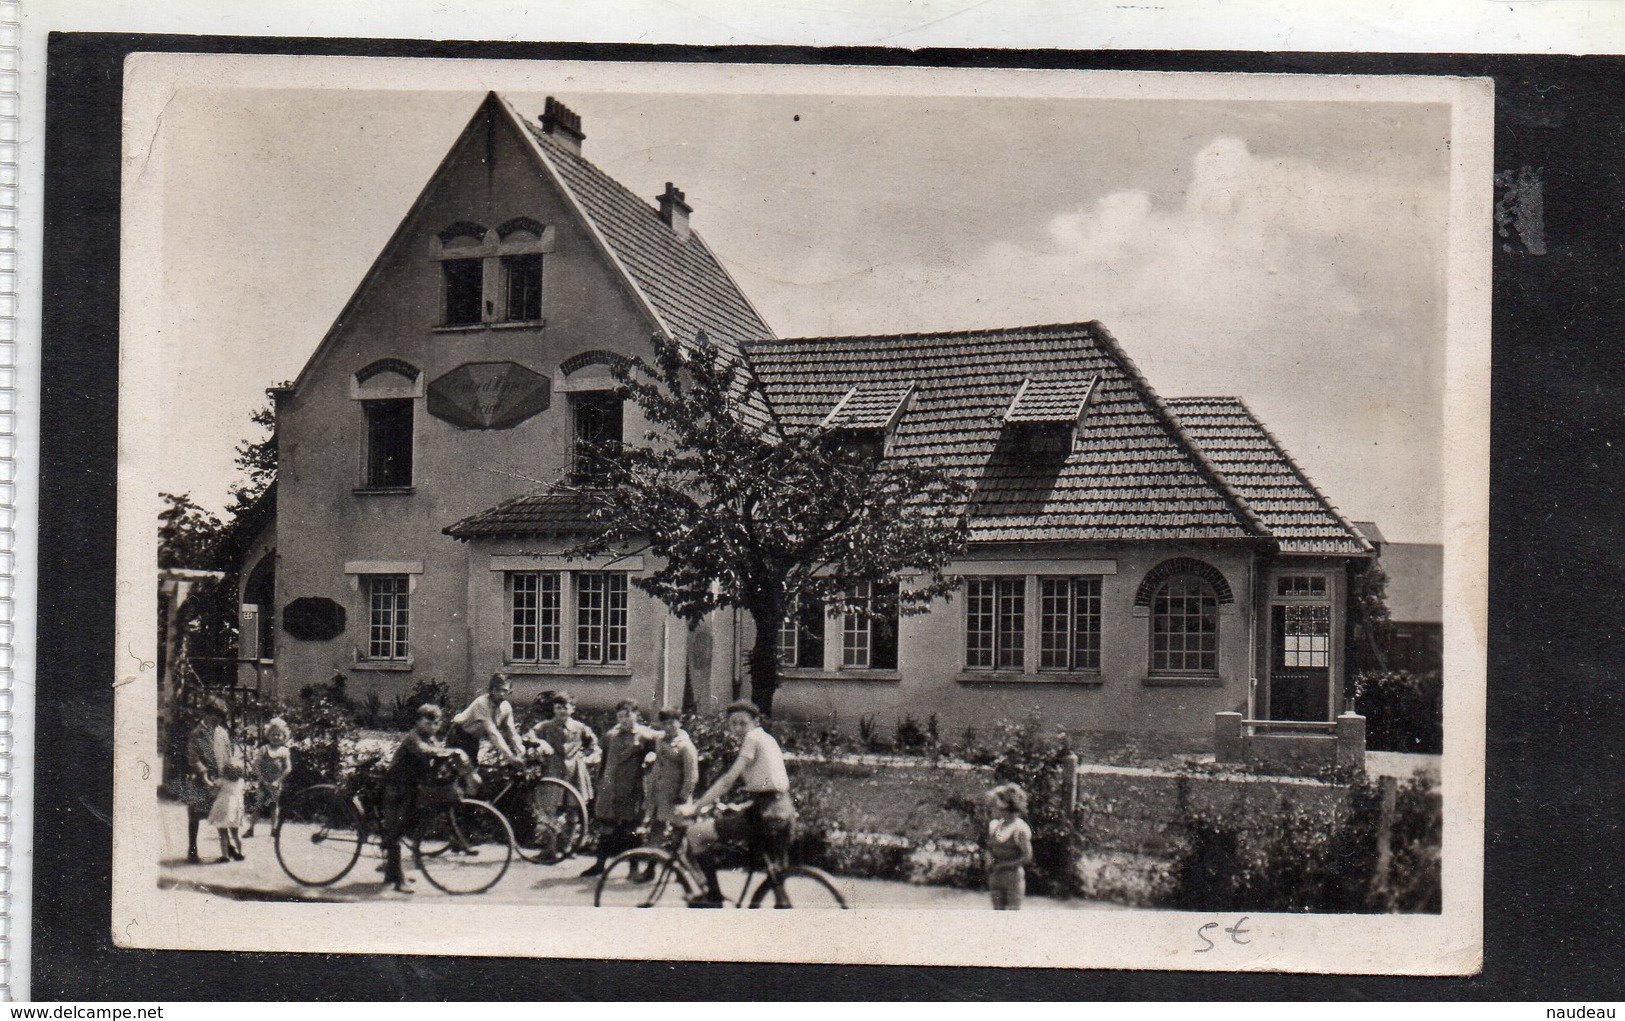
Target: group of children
[634, 776]
[225, 784]
[641, 778]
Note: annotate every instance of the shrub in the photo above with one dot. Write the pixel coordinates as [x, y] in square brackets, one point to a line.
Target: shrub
[1404, 711]
[1312, 859]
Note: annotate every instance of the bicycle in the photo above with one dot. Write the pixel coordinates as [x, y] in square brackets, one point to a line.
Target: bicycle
[548, 815]
[461, 845]
[627, 879]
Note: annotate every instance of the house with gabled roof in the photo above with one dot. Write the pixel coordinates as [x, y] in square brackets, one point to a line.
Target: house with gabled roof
[1135, 564]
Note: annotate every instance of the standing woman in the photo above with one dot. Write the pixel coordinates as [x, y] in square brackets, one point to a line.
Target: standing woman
[1009, 847]
[207, 747]
[676, 771]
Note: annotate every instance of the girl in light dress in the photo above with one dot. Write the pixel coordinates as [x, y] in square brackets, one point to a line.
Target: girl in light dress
[1009, 847]
[226, 814]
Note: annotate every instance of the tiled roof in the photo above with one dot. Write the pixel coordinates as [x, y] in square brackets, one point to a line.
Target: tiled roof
[1298, 515]
[1132, 474]
[543, 512]
[682, 281]
[1049, 400]
[871, 406]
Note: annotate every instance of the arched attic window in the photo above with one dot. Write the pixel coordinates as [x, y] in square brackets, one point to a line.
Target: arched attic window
[597, 419]
[1184, 595]
[493, 277]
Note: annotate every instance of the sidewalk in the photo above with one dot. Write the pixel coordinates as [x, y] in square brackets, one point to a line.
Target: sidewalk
[260, 878]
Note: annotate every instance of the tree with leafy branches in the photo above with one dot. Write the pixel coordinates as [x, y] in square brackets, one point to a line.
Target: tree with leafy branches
[764, 519]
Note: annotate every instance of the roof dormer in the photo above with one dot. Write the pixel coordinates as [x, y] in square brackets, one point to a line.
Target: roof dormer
[866, 416]
[1046, 416]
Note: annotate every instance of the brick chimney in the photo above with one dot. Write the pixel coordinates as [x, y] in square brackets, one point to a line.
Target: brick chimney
[674, 211]
[564, 124]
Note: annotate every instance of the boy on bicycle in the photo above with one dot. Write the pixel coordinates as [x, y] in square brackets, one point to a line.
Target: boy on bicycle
[488, 718]
[767, 823]
[411, 767]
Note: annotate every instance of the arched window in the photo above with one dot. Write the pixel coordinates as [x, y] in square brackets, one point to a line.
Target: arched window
[1184, 626]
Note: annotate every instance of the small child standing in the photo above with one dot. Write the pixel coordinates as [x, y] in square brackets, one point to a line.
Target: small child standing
[271, 766]
[1009, 847]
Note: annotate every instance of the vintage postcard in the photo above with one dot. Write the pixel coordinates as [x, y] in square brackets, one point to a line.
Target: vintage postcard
[1009, 518]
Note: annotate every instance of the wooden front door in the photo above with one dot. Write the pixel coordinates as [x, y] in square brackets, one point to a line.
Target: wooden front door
[1300, 661]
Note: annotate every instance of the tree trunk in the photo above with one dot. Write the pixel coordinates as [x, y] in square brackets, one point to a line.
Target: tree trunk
[763, 661]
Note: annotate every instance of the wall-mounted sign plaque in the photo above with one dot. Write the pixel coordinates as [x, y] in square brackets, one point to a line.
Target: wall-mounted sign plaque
[489, 395]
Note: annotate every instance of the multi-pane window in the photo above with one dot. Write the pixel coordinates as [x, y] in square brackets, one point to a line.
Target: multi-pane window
[465, 291]
[534, 608]
[1069, 623]
[389, 444]
[601, 617]
[522, 281]
[995, 623]
[596, 418]
[388, 612]
[1307, 635]
[1184, 626]
[1300, 585]
[801, 638]
[869, 640]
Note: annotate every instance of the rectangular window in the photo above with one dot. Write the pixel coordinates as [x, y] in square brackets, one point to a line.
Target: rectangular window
[465, 291]
[1300, 585]
[601, 618]
[1307, 636]
[533, 616]
[522, 280]
[995, 623]
[801, 638]
[388, 613]
[389, 444]
[596, 418]
[1069, 624]
[869, 641]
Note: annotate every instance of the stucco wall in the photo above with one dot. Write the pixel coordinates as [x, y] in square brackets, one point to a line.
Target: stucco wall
[1124, 697]
[324, 522]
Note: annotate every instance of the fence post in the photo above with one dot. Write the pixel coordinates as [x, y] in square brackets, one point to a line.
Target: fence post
[1071, 761]
[1385, 839]
[1228, 745]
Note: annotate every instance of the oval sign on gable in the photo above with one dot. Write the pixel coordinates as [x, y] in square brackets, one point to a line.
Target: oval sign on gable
[489, 395]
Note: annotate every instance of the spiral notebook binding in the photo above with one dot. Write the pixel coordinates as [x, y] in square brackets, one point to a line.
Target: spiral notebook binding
[10, 72]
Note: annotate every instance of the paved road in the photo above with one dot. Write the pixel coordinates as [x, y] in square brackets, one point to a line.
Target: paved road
[260, 877]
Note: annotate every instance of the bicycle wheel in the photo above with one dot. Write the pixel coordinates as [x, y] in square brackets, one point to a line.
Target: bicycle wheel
[644, 877]
[464, 847]
[551, 822]
[801, 886]
[318, 834]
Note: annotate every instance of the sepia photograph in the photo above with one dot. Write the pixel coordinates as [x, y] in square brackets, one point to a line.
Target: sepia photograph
[906, 496]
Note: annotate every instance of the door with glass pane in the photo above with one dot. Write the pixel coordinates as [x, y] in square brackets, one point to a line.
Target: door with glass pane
[1300, 668]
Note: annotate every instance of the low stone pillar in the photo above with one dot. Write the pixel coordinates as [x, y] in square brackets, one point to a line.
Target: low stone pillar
[1227, 741]
[1351, 741]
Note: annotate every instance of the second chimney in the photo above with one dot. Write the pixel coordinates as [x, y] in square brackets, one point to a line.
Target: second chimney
[564, 124]
[674, 211]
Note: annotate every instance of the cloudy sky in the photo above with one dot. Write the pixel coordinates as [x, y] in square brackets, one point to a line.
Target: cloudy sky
[1291, 253]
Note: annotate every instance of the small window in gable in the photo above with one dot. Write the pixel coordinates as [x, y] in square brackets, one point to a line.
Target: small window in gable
[522, 280]
[389, 444]
[465, 291]
[493, 276]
